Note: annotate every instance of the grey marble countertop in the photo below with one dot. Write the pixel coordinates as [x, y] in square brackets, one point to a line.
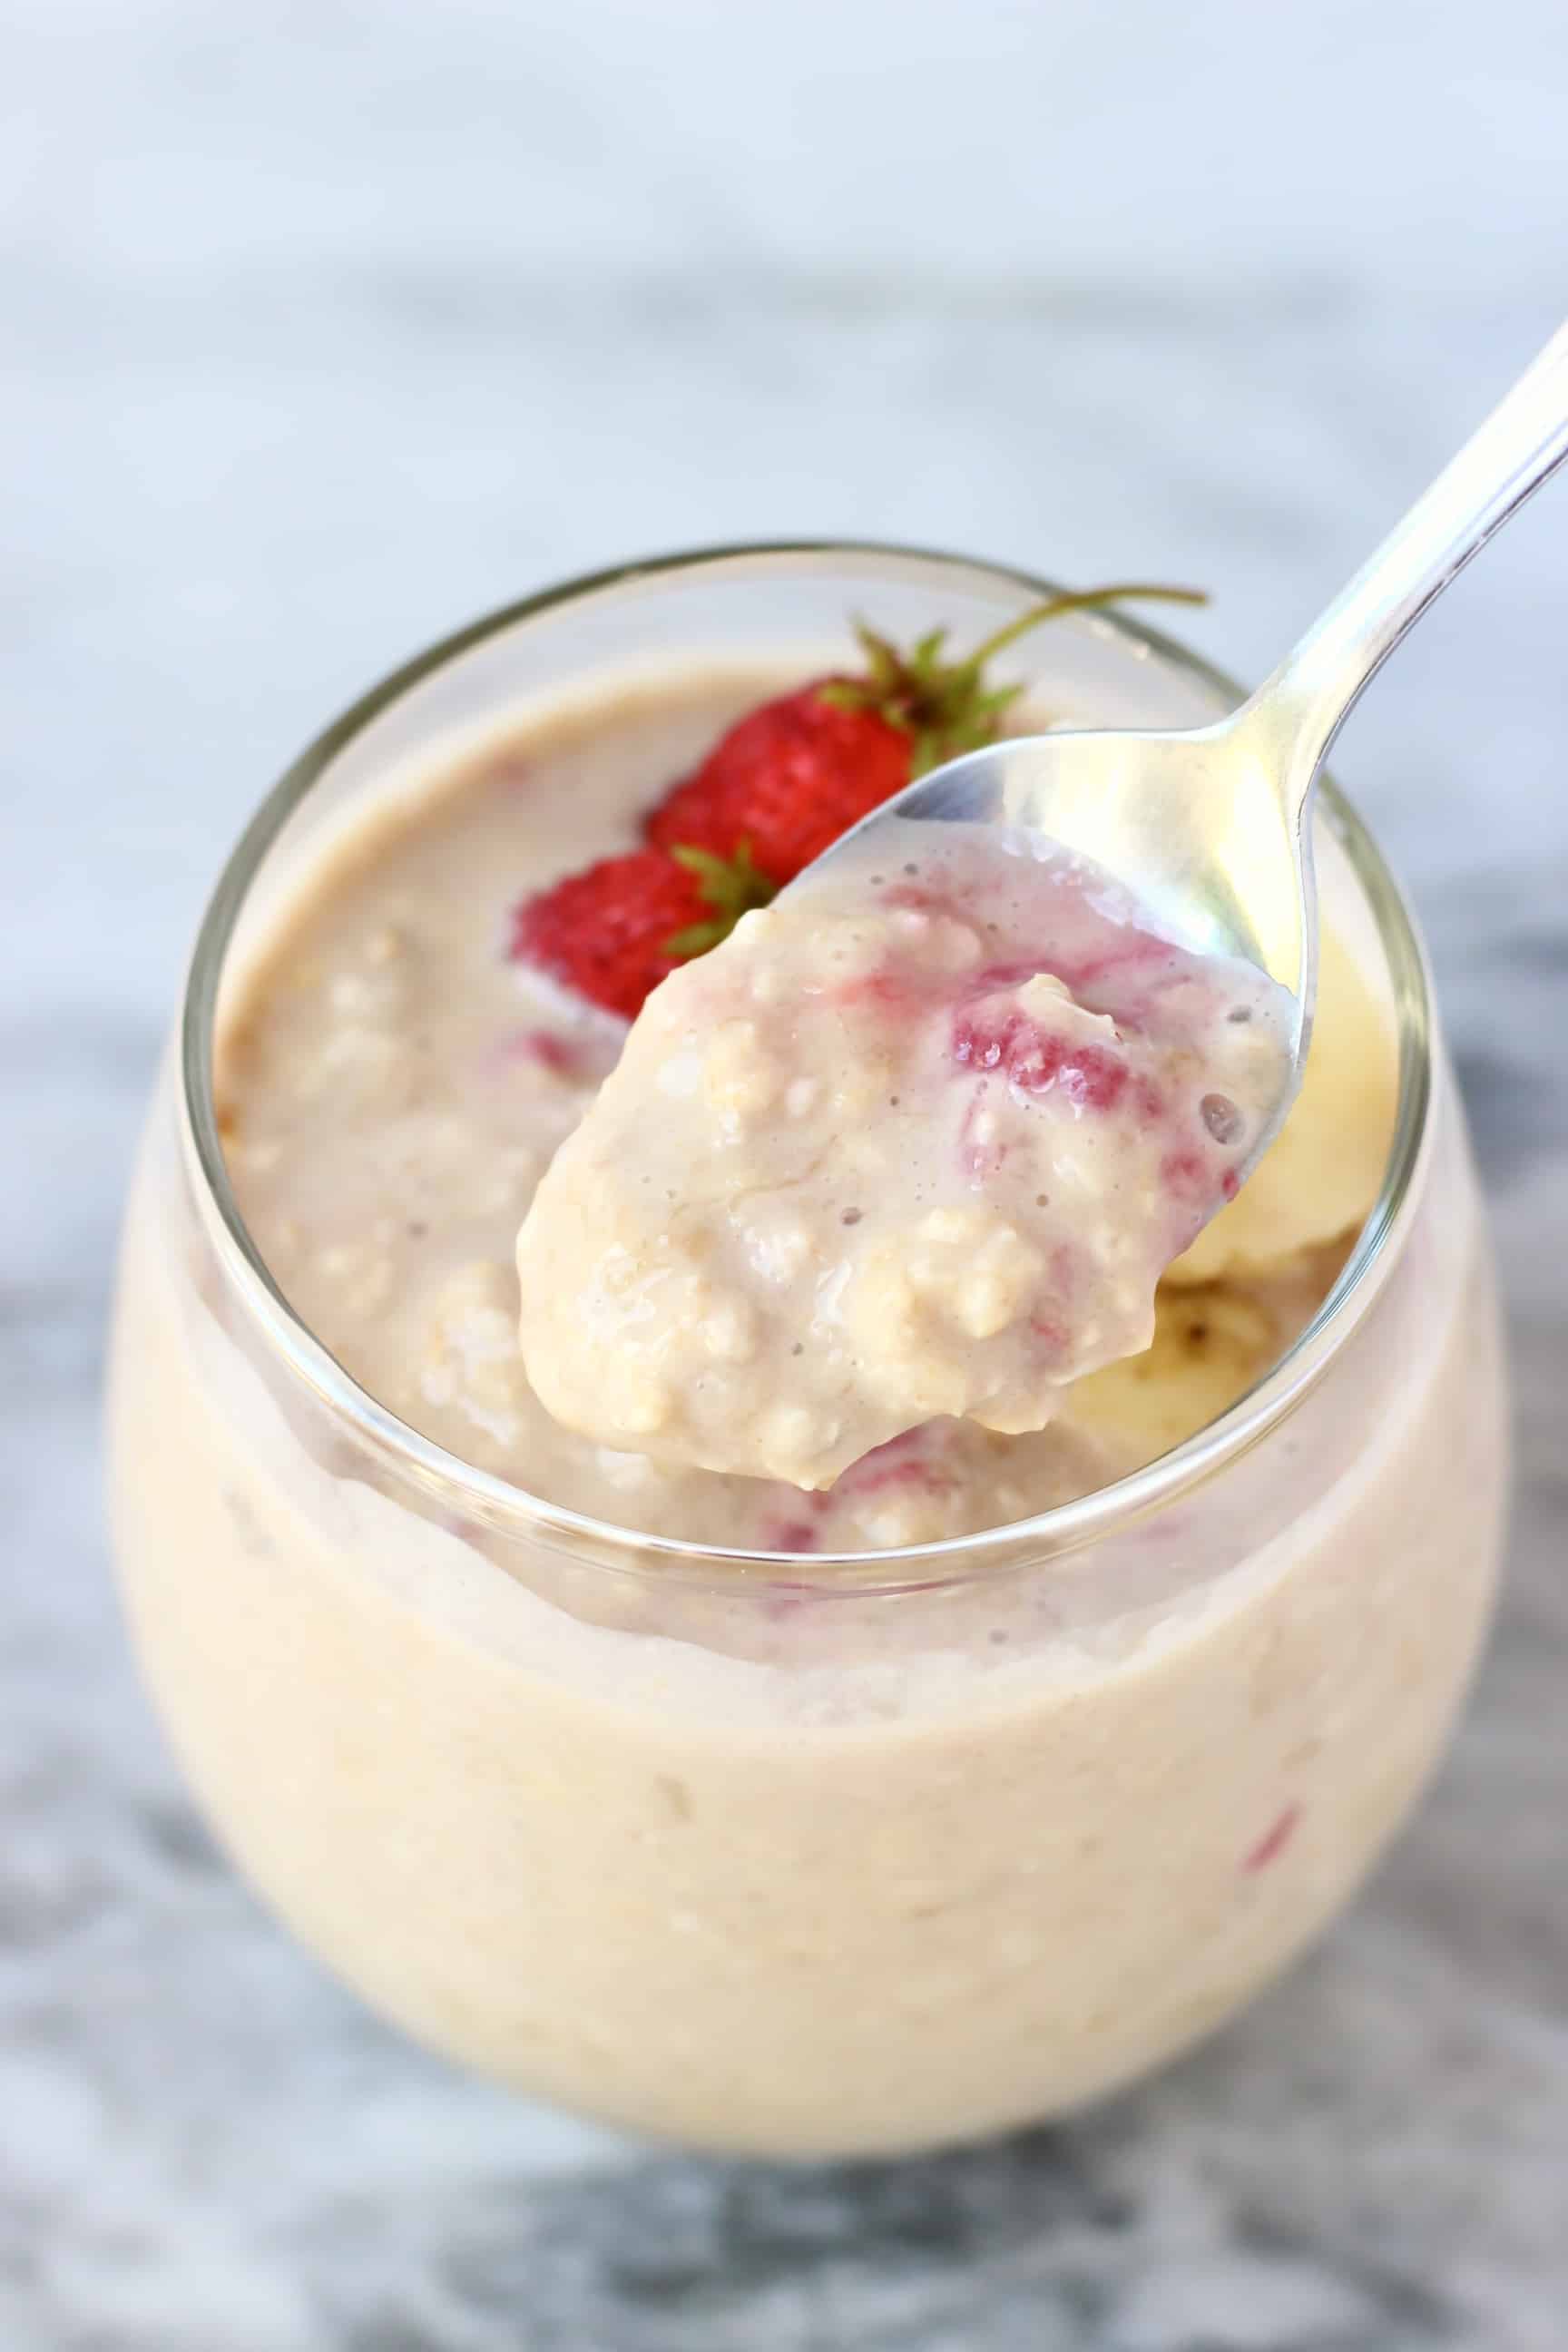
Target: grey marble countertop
[326, 328]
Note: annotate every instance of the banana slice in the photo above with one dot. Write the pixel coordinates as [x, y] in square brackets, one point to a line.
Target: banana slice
[1209, 1346]
[1323, 1173]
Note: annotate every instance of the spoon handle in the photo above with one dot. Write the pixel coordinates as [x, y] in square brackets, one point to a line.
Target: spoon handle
[1304, 703]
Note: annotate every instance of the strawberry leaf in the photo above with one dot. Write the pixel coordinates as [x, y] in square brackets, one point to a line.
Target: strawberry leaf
[947, 706]
[695, 941]
[732, 887]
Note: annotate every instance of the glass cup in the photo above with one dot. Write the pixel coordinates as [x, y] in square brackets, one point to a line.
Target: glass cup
[801, 1856]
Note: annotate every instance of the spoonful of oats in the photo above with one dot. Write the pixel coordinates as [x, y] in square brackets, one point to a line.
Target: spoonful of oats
[920, 1136]
[920, 1140]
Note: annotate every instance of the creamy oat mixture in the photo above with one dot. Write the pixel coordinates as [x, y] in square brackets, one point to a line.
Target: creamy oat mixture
[781, 1860]
[917, 1140]
[393, 1090]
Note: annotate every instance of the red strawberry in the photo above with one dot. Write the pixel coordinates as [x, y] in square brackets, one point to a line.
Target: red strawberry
[795, 773]
[787, 780]
[612, 931]
[773, 794]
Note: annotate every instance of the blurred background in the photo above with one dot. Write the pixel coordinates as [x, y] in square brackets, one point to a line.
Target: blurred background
[324, 327]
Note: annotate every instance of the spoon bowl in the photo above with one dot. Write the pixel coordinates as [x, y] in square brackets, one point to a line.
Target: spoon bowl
[1194, 823]
[1209, 827]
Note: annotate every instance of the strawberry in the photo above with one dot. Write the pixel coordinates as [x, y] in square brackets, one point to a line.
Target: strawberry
[776, 791]
[794, 774]
[787, 780]
[612, 931]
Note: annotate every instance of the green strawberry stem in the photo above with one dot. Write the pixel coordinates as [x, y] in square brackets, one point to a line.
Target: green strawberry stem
[1086, 600]
[944, 707]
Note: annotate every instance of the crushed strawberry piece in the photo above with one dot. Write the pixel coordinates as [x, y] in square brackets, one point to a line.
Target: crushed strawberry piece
[908, 1460]
[789, 1535]
[547, 1048]
[1186, 1174]
[1273, 1842]
[1036, 1060]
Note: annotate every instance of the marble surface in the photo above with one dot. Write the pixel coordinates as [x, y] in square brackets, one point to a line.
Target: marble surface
[325, 328]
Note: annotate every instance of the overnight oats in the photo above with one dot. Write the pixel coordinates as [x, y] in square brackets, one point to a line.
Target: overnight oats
[853, 1573]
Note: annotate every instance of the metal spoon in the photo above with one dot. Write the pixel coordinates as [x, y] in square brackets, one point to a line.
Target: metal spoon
[1208, 825]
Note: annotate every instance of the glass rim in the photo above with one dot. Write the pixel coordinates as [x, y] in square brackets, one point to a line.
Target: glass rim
[496, 1502]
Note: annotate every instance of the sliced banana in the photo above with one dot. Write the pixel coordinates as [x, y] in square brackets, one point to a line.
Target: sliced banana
[1209, 1346]
[1323, 1175]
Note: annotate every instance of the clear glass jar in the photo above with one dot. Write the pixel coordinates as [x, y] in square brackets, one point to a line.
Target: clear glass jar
[820, 1855]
